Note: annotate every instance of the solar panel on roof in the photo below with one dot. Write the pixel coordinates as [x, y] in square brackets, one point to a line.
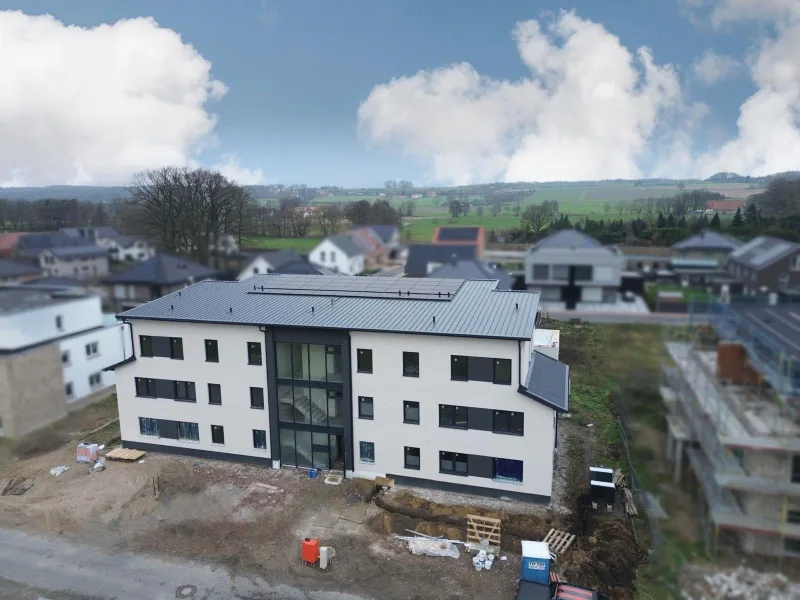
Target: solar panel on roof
[358, 287]
[460, 234]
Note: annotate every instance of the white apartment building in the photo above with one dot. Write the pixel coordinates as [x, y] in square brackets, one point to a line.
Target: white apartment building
[430, 382]
[54, 347]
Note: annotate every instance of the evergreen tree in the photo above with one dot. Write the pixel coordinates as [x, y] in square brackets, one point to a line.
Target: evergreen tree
[661, 222]
[670, 220]
[737, 220]
[715, 222]
[751, 215]
[682, 223]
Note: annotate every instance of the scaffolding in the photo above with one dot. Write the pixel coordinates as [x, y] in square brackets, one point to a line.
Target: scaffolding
[730, 425]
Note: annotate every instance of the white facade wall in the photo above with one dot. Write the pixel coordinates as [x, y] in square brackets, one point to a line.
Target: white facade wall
[326, 254]
[232, 372]
[139, 250]
[258, 266]
[591, 294]
[39, 325]
[113, 346]
[389, 388]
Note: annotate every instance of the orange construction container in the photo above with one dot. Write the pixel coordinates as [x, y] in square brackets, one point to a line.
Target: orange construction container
[309, 551]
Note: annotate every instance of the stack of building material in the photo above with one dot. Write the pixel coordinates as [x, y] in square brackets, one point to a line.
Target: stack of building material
[731, 360]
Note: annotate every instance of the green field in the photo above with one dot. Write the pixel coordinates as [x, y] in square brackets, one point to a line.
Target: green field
[266, 243]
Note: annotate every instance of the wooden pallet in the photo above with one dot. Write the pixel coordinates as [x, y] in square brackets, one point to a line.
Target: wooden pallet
[125, 454]
[619, 478]
[559, 541]
[483, 528]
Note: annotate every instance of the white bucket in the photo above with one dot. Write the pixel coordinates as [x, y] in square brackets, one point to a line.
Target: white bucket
[481, 555]
[477, 563]
[488, 564]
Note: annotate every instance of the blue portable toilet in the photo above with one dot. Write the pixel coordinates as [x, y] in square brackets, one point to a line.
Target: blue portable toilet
[536, 562]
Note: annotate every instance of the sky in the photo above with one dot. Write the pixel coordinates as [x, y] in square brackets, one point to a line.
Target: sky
[354, 93]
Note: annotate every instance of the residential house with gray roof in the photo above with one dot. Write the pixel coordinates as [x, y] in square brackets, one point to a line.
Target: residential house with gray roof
[570, 267]
[473, 269]
[766, 265]
[12, 271]
[153, 278]
[432, 382]
[339, 253]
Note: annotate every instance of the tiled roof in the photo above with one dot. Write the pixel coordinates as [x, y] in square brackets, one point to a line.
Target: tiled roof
[707, 240]
[71, 252]
[162, 269]
[421, 255]
[476, 309]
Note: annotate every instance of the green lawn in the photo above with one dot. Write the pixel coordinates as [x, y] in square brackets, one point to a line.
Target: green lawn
[689, 293]
[266, 243]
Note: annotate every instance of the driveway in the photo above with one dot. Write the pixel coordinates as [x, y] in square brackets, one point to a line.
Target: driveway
[34, 567]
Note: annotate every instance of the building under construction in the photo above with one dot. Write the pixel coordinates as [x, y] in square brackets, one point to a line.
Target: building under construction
[731, 392]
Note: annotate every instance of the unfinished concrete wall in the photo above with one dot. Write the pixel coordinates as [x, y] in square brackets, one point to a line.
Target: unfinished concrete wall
[31, 390]
[769, 465]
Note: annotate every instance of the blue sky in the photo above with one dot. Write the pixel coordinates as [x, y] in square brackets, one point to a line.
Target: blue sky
[298, 70]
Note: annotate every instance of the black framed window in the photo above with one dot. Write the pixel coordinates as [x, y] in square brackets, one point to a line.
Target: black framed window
[583, 273]
[410, 364]
[453, 416]
[217, 434]
[502, 371]
[189, 432]
[148, 426]
[793, 517]
[59, 322]
[212, 351]
[411, 412]
[145, 345]
[453, 463]
[541, 272]
[259, 439]
[507, 470]
[459, 368]
[364, 360]
[253, 353]
[176, 348]
[257, 397]
[184, 391]
[145, 387]
[68, 389]
[366, 410]
[796, 468]
[505, 421]
[366, 452]
[411, 458]
[214, 393]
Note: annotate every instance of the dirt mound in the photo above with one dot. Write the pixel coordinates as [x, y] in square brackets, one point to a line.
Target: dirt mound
[162, 480]
[606, 560]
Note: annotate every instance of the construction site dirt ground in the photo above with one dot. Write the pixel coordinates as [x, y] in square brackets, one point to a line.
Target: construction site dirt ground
[252, 519]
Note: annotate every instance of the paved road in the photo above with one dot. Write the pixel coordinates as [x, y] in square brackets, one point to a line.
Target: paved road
[631, 318]
[33, 567]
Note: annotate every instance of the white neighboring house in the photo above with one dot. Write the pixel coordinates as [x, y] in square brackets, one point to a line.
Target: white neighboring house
[55, 346]
[78, 262]
[340, 254]
[128, 248]
[269, 262]
[405, 378]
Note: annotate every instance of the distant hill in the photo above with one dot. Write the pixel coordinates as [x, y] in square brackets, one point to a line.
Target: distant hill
[736, 178]
[61, 192]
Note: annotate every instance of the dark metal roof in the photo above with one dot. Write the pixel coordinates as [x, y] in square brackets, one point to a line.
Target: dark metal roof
[71, 252]
[53, 283]
[568, 238]
[420, 255]
[10, 268]
[279, 258]
[548, 382]
[101, 231]
[473, 269]
[162, 269]
[35, 243]
[707, 240]
[476, 310]
[297, 267]
[346, 245]
[459, 234]
[762, 251]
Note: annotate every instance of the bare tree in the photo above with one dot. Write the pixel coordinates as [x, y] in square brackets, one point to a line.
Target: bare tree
[407, 208]
[301, 223]
[621, 208]
[188, 210]
[607, 208]
[329, 219]
[536, 216]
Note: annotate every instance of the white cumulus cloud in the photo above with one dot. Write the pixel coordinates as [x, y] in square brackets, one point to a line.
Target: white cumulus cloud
[587, 111]
[768, 137]
[95, 105]
[231, 169]
[711, 68]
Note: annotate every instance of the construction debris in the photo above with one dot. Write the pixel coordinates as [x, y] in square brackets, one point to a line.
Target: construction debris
[483, 528]
[627, 496]
[559, 541]
[384, 483]
[125, 454]
[742, 583]
[58, 470]
[266, 486]
[433, 547]
[16, 487]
